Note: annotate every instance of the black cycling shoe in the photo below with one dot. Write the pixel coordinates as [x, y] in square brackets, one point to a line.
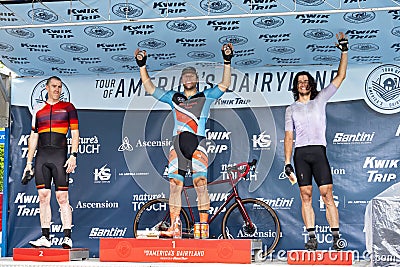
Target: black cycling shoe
[338, 243]
[311, 244]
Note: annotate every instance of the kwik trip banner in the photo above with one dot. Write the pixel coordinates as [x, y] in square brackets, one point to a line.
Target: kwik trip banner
[126, 135]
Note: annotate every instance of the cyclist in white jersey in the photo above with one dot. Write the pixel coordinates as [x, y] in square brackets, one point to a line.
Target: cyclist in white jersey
[307, 117]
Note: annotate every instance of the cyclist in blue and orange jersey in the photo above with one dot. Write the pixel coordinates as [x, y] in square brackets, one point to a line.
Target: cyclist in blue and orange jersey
[51, 122]
[190, 110]
[307, 117]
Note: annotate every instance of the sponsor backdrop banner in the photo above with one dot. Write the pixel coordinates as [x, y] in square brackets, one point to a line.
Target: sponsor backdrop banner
[77, 38]
[125, 137]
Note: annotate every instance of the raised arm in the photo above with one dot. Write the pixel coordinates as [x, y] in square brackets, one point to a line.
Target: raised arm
[141, 57]
[227, 54]
[343, 46]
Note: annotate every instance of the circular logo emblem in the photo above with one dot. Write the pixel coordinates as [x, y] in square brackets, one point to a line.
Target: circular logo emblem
[74, 48]
[396, 31]
[200, 55]
[169, 64]
[309, 2]
[6, 47]
[51, 59]
[382, 89]
[326, 59]
[268, 22]
[364, 47]
[39, 93]
[359, 17]
[123, 58]
[31, 72]
[281, 50]
[318, 34]
[127, 10]
[234, 39]
[21, 33]
[248, 62]
[123, 249]
[42, 15]
[99, 31]
[181, 26]
[216, 6]
[151, 43]
[101, 69]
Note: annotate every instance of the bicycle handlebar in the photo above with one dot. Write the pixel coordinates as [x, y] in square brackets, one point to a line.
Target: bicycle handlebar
[252, 163]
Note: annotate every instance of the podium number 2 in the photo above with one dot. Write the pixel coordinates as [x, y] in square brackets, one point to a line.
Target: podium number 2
[40, 253]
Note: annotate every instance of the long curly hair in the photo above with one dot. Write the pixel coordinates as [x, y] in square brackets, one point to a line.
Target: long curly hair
[311, 83]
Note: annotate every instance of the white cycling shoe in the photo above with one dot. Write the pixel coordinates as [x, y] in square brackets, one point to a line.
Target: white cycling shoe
[41, 242]
[67, 243]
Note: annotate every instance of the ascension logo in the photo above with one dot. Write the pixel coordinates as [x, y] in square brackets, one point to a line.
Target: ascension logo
[268, 22]
[382, 89]
[359, 17]
[39, 93]
[74, 48]
[181, 26]
[216, 6]
[21, 33]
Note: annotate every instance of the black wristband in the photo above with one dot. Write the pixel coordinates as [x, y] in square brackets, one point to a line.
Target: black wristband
[75, 154]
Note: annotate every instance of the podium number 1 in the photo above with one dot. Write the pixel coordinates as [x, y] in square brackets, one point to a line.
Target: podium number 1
[173, 244]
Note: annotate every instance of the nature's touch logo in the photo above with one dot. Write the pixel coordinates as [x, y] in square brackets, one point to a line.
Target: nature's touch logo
[382, 89]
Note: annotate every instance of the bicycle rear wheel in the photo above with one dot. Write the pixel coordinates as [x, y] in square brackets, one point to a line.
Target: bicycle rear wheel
[154, 215]
[266, 224]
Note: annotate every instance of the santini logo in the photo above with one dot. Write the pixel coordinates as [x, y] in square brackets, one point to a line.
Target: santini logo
[358, 138]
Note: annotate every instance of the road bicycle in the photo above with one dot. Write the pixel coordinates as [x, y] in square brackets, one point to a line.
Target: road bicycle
[248, 218]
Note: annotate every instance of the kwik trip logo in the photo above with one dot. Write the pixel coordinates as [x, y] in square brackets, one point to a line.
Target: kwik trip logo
[382, 89]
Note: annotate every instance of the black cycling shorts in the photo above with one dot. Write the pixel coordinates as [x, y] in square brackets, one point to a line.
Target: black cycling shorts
[188, 152]
[49, 166]
[312, 161]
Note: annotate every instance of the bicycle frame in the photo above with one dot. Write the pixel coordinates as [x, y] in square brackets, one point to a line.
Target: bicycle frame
[233, 195]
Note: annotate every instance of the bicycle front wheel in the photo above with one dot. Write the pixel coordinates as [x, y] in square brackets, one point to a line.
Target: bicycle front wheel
[154, 215]
[266, 226]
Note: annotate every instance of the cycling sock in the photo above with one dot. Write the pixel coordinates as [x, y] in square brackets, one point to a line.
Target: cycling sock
[311, 232]
[46, 233]
[335, 232]
[67, 233]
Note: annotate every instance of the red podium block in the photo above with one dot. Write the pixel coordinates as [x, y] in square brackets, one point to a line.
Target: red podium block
[50, 254]
[175, 250]
[319, 257]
